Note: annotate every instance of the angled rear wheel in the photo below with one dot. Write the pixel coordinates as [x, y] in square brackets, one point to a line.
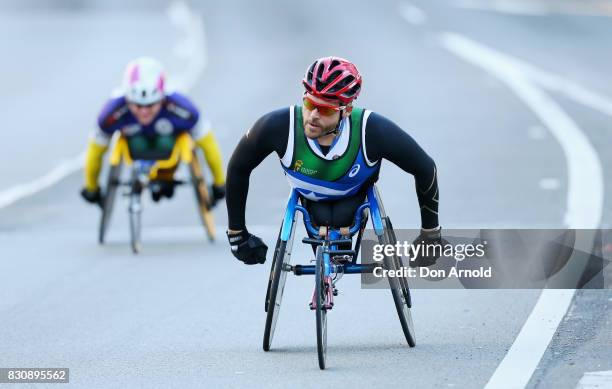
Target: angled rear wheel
[276, 286]
[399, 285]
[202, 197]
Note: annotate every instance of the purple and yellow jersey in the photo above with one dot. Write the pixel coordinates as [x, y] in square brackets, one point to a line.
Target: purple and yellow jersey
[178, 114]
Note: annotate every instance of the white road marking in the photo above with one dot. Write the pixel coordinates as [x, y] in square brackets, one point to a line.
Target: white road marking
[550, 183]
[192, 48]
[19, 191]
[539, 8]
[193, 54]
[412, 13]
[509, 7]
[584, 200]
[596, 380]
[585, 191]
[537, 132]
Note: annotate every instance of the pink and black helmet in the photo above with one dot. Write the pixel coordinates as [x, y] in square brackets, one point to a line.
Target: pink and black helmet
[333, 78]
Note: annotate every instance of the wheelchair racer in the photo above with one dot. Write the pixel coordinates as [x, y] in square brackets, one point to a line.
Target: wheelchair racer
[331, 152]
[150, 117]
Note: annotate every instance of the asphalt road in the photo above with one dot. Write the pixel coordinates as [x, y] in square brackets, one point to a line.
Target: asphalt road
[184, 313]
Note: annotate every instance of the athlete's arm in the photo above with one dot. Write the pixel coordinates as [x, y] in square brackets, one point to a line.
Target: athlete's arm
[385, 140]
[209, 146]
[109, 120]
[93, 164]
[270, 133]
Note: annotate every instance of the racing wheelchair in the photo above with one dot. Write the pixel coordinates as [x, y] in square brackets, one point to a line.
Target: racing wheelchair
[145, 165]
[332, 261]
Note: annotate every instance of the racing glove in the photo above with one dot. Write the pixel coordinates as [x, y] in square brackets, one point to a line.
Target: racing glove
[247, 247]
[218, 193]
[432, 247]
[92, 196]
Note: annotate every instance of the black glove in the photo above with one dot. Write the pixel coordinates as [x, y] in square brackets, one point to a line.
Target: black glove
[218, 193]
[435, 246]
[247, 247]
[92, 196]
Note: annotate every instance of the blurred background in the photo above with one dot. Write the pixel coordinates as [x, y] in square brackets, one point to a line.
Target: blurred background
[512, 98]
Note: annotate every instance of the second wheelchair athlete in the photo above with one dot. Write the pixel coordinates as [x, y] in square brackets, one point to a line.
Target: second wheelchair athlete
[150, 117]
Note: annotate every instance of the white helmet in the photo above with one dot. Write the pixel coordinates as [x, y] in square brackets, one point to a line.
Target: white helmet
[143, 81]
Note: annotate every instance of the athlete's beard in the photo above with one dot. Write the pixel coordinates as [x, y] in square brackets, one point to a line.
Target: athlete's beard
[320, 131]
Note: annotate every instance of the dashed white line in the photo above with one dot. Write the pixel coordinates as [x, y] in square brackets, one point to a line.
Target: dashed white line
[550, 183]
[504, 6]
[537, 132]
[412, 13]
[538, 7]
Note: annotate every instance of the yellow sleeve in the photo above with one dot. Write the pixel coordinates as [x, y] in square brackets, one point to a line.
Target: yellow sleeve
[93, 164]
[212, 153]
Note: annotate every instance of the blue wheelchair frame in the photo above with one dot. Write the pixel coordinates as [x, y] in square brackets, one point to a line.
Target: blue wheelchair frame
[335, 238]
[331, 264]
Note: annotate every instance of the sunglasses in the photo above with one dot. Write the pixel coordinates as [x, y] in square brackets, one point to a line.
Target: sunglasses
[324, 110]
[143, 106]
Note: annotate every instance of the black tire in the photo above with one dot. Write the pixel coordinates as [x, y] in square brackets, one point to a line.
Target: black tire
[399, 286]
[399, 263]
[399, 290]
[108, 201]
[321, 311]
[276, 286]
[278, 242]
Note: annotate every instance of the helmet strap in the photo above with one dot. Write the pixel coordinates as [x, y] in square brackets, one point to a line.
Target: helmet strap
[336, 130]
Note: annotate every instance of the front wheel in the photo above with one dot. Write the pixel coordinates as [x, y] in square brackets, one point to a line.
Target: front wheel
[321, 290]
[135, 211]
[108, 200]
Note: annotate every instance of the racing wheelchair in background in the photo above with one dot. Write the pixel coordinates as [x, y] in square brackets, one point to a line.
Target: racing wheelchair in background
[145, 166]
[332, 261]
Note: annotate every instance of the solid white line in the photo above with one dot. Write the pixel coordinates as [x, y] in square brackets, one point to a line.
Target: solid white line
[595, 380]
[412, 13]
[584, 203]
[544, 78]
[585, 191]
[19, 191]
[194, 54]
[192, 48]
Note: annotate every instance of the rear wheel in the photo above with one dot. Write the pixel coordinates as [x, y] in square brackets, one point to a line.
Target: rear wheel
[202, 196]
[400, 291]
[276, 286]
[272, 269]
[108, 200]
[321, 290]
